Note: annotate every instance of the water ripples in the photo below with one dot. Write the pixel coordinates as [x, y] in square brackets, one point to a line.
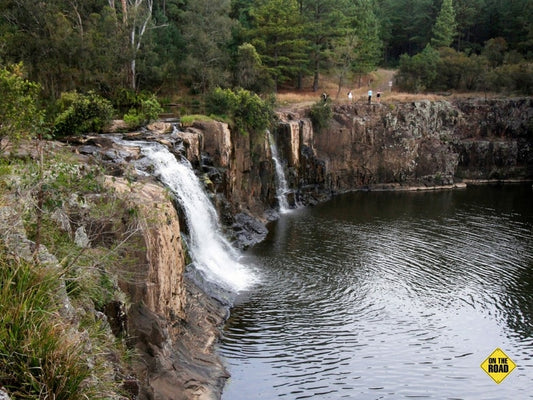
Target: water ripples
[370, 306]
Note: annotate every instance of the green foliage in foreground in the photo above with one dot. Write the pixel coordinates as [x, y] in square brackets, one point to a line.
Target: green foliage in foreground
[82, 113]
[247, 111]
[43, 355]
[40, 357]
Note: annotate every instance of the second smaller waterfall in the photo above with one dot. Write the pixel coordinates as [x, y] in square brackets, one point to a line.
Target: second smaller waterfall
[282, 188]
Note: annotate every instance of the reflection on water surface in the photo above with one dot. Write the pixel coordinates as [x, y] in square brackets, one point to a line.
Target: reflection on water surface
[389, 296]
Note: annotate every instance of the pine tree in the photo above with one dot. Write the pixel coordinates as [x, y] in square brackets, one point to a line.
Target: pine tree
[277, 35]
[445, 27]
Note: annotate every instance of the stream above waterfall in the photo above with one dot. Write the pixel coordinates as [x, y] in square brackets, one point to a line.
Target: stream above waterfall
[388, 295]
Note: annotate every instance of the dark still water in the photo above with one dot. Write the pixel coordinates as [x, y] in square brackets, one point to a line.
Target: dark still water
[389, 296]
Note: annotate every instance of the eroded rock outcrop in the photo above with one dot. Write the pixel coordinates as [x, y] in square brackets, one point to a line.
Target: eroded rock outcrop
[409, 144]
[157, 282]
[172, 323]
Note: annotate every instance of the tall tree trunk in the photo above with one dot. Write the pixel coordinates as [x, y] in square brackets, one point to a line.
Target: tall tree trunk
[124, 11]
[132, 74]
[341, 82]
[317, 73]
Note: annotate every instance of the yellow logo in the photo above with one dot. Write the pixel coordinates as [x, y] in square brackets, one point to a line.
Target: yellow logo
[498, 365]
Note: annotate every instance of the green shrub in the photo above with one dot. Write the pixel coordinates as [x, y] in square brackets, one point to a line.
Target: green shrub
[247, 111]
[513, 78]
[82, 114]
[419, 72]
[146, 111]
[19, 114]
[151, 109]
[133, 118]
[320, 114]
[221, 102]
[456, 70]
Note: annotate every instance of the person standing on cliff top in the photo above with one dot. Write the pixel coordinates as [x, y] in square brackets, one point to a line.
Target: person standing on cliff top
[350, 97]
[370, 96]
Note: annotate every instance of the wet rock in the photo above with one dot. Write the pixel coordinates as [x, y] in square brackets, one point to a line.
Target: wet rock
[248, 230]
[160, 128]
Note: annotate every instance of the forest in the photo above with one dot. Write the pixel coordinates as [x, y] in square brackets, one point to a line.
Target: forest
[119, 49]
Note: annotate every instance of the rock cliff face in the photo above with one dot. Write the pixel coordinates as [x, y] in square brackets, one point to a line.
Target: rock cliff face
[157, 282]
[172, 324]
[386, 146]
[419, 144]
[239, 171]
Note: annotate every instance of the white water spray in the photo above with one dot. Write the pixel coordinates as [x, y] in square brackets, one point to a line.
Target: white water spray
[211, 253]
[282, 187]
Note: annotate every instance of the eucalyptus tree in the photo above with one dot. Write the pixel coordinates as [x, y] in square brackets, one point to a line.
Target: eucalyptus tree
[64, 45]
[163, 46]
[206, 28]
[135, 17]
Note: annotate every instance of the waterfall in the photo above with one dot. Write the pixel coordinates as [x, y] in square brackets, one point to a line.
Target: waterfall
[212, 255]
[282, 188]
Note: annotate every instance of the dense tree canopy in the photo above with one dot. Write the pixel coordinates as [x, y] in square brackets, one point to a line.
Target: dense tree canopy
[162, 45]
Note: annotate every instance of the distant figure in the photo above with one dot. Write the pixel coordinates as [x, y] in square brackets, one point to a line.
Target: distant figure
[370, 97]
[350, 97]
[378, 95]
[324, 97]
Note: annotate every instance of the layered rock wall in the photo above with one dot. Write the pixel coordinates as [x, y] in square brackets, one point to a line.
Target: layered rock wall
[421, 143]
[171, 323]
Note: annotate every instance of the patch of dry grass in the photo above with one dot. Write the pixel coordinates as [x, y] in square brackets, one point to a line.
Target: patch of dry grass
[377, 81]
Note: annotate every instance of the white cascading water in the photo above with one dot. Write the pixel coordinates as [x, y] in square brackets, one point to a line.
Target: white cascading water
[282, 187]
[211, 253]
